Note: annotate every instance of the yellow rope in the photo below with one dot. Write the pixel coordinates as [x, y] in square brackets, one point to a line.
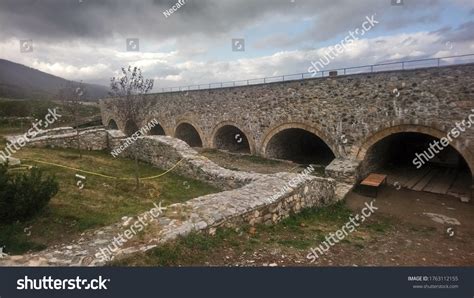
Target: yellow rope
[162, 174]
[19, 168]
[102, 175]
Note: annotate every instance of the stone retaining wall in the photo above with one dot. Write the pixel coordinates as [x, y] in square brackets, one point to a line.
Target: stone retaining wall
[166, 152]
[66, 137]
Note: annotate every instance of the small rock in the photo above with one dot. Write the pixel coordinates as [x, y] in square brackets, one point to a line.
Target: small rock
[442, 219]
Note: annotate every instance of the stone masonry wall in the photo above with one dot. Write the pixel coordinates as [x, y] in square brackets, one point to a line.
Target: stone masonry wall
[65, 137]
[346, 112]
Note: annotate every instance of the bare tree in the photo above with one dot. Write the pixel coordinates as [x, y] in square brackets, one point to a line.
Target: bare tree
[71, 97]
[129, 92]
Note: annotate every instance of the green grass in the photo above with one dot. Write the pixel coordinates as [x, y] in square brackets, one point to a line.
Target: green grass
[245, 157]
[101, 202]
[381, 226]
[15, 238]
[260, 160]
[37, 109]
[192, 249]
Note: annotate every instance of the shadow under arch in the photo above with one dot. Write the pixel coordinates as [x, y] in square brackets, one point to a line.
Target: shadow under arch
[413, 128]
[420, 158]
[298, 142]
[229, 136]
[187, 132]
[112, 124]
[130, 127]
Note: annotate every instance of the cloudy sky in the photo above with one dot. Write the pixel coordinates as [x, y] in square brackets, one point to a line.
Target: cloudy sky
[86, 39]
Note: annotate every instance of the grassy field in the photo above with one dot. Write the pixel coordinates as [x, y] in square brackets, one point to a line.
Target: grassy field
[101, 202]
[36, 109]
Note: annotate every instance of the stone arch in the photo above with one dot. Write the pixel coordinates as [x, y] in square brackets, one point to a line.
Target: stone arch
[189, 133]
[381, 134]
[112, 124]
[157, 130]
[228, 135]
[289, 140]
[130, 127]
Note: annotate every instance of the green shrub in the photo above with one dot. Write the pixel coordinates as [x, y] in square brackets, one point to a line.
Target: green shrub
[24, 195]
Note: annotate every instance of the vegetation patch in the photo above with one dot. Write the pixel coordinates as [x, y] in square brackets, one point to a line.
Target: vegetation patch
[99, 203]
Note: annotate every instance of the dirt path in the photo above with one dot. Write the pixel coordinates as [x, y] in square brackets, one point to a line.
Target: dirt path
[251, 163]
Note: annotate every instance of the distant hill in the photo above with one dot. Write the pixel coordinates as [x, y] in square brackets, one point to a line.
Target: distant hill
[20, 81]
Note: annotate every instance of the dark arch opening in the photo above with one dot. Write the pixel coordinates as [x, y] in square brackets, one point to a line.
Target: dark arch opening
[232, 139]
[300, 146]
[157, 130]
[189, 134]
[130, 128]
[414, 161]
[112, 124]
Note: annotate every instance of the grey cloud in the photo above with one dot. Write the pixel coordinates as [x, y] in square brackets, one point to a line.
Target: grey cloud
[334, 18]
[100, 25]
[104, 19]
[463, 33]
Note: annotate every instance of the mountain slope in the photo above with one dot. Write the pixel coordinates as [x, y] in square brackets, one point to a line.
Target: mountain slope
[20, 81]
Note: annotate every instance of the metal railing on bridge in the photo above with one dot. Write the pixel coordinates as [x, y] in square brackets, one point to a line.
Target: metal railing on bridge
[389, 66]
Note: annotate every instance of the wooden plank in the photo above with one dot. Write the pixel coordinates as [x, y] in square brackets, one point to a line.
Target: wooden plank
[442, 182]
[420, 173]
[374, 180]
[426, 180]
[461, 186]
[401, 176]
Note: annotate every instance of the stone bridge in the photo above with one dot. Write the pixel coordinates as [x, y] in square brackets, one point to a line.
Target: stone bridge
[356, 123]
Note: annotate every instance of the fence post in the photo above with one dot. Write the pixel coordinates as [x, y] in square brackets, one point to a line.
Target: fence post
[302, 75]
[264, 80]
[403, 65]
[371, 68]
[283, 78]
[247, 82]
[439, 61]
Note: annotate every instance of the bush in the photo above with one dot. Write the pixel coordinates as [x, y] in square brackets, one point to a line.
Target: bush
[24, 195]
